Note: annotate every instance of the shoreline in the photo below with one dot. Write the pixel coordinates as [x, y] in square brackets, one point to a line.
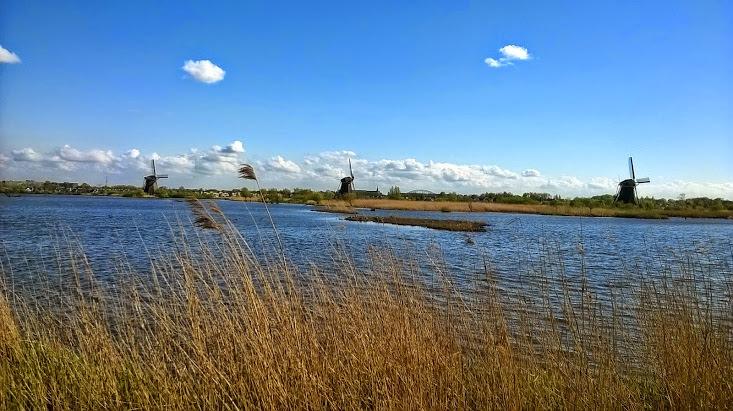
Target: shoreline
[537, 209]
[457, 207]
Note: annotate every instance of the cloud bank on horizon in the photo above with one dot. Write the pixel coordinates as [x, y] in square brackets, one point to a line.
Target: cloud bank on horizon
[322, 171]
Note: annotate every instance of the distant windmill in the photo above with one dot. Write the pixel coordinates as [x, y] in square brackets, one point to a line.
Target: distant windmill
[151, 181]
[347, 183]
[627, 188]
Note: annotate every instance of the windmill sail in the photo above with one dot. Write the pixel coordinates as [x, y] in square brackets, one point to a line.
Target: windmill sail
[631, 169]
[351, 173]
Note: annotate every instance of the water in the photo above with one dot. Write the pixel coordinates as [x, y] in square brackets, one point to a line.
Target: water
[610, 250]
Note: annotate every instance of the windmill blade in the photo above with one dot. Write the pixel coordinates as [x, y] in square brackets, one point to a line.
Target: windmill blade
[643, 180]
[351, 172]
[152, 162]
[162, 176]
[631, 169]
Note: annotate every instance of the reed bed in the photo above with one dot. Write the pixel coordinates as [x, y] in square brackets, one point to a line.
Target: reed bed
[543, 209]
[211, 326]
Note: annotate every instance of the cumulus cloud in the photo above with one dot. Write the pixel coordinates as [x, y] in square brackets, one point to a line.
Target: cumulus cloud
[323, 171]
[235, 147]
[279, 164]
[509, 54]
[26, 154]
[513, 52]
[204, 71]
[8, 57]
[215, 161]
[71, 154]
[492, 62]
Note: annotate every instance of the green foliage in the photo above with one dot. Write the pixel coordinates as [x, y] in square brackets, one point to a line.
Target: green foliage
[394, 193]
[683, 206]
[349, 198]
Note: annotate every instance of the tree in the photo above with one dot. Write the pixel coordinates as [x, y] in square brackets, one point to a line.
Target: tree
[274, 196]
[244, 192]
[394, 193]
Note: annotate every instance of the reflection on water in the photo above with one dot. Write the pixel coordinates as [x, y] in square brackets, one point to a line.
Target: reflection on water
[610, 250]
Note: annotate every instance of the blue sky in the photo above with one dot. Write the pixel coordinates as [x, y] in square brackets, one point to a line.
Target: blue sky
[404, 90]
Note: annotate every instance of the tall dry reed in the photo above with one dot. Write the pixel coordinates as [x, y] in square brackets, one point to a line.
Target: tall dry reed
[211, 326]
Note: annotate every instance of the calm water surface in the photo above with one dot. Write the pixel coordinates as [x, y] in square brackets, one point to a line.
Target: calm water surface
[608, 249]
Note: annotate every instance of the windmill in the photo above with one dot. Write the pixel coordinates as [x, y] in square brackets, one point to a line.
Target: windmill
[627, 188]
[347, 183]
[151, 181]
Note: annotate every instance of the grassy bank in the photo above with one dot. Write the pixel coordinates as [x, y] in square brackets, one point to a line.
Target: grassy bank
[335, 208]
[449, 225]
[565, 210]
[211, 327]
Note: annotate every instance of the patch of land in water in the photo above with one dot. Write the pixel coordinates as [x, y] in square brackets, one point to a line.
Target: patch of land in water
[449, 225]
[542, 209]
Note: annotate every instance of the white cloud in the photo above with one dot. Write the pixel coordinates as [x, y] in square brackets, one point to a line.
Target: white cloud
[279, 164]
[509, 54]
[513, 52]
[26, 154]
[8, 57]
[91, 156]
[236, 146]
[493, 62]
[323, 171]
[204, 71]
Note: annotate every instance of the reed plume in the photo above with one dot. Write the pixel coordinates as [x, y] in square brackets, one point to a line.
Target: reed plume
[247, 172]
[202, 215]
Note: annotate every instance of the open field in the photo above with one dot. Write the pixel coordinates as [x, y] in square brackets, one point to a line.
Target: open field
[449, 225]
[450, 206]
[211, 327]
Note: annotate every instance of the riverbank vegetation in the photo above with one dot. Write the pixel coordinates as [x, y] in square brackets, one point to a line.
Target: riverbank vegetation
[543, 209]
[438, 224]
[531, 203]
[214, 326]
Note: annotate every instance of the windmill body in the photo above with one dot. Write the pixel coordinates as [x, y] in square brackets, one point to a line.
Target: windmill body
[151, 181]
[347, 183]
[627, 188]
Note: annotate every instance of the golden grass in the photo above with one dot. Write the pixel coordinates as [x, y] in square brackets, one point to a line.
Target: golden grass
[451, 206]
[448, 225]
[212, 328]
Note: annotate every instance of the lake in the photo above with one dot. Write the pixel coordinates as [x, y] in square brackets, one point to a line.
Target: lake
[608, 250]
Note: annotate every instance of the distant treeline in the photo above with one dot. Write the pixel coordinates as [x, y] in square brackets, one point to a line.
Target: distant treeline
[301, 195]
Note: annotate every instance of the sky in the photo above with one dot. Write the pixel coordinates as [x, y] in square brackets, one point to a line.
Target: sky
[458, 96]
